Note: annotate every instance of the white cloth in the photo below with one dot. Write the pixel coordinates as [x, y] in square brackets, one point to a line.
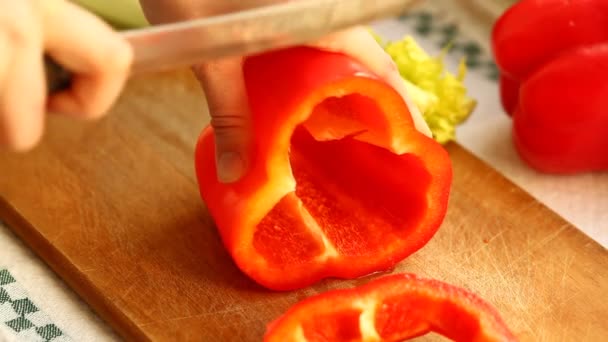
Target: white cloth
[57, 304]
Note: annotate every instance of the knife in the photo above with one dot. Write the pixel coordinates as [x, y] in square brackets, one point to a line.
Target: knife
[242, 33]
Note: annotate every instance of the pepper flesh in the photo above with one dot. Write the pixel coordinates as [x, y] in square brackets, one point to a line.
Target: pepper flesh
[390, 308]
[553, 58]
[341, 183]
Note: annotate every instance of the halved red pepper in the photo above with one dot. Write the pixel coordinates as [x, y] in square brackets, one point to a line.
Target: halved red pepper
[553, 58]
[341, 183]
[390, 309]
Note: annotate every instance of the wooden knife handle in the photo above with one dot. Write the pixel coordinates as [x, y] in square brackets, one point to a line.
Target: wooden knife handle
[57, 77]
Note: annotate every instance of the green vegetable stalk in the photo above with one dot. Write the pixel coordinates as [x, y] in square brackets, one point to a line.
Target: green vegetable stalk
[122, 14]
[440, 96]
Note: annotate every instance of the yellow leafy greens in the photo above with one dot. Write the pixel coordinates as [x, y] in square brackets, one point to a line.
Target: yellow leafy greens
[440, 96]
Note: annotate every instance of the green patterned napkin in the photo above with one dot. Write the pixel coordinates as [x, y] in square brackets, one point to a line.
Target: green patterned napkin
[22, 316]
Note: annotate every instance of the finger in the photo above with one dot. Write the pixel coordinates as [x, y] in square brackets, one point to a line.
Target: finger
[224, 88]
[22, 95]
[97, 55]
[361, 45]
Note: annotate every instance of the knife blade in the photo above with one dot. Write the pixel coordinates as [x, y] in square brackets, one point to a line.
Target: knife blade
[247, 32]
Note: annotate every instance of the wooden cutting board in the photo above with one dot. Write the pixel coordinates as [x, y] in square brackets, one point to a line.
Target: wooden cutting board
[113, 207]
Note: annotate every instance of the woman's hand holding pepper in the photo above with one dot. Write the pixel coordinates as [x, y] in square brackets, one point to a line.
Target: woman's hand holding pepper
[224, 86]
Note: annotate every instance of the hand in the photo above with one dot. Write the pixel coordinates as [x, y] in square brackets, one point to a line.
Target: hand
[224, 85]
[76, 39]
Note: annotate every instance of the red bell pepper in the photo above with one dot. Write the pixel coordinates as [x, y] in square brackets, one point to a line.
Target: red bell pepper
[341, 183]
[390, 308]
[553, 59]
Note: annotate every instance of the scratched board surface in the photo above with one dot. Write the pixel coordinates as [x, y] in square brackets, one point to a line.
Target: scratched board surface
[113, 207]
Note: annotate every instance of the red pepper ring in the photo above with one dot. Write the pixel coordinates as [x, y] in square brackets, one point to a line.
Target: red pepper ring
[390, 308]
[341, 183]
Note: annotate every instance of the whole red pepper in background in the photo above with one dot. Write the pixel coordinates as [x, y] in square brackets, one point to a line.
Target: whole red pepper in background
[553, 59]
[391, 309]
[341, 183]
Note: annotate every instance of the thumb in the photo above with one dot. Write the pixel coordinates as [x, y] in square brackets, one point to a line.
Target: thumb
[224, 88]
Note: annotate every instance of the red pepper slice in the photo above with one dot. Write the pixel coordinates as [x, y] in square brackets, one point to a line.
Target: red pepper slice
[390, 308]
[341, 184]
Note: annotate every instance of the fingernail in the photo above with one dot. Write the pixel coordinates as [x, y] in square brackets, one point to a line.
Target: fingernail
[230, 167]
